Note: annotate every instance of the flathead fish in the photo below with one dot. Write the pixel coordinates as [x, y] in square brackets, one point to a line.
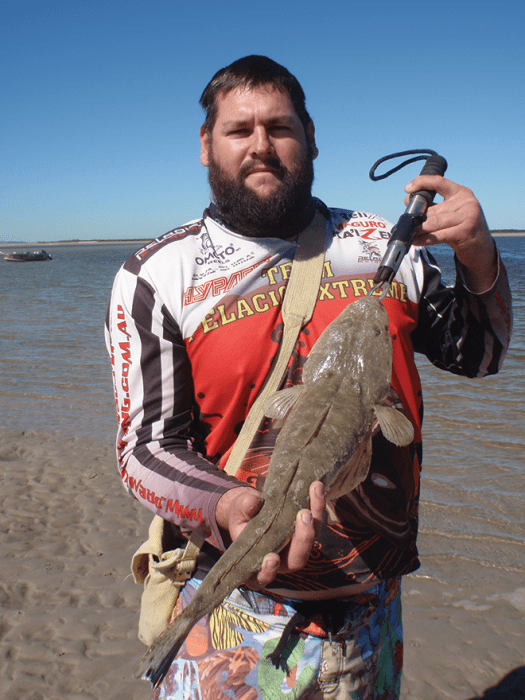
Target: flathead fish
[326, 436]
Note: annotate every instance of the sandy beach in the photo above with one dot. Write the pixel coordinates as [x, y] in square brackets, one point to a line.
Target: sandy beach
[69, 606]
[68, 624]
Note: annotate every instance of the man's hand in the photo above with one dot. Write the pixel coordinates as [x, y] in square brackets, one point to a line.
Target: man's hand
[459, 222]
[238, 506]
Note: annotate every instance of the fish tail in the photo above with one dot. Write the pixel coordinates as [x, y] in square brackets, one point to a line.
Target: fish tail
[166, 645]
[223, 578]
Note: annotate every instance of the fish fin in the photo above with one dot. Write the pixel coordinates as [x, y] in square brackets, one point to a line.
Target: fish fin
[394, 425]
[282, 402]
[332, 514]
[353, 472]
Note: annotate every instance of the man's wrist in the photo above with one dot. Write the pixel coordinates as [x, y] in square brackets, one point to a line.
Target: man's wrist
[224, 507]
[479, 266]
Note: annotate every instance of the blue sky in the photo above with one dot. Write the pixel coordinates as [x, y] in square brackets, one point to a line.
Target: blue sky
[100, 116]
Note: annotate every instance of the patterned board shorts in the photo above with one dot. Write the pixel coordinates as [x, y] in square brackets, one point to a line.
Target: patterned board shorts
[225, 657]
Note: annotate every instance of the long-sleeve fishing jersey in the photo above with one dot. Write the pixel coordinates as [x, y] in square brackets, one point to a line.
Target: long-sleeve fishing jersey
[193, 324]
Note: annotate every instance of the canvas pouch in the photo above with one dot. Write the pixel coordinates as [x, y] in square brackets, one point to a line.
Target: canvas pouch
[163, 574]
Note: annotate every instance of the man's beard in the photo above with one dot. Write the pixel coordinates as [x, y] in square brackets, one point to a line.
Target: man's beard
[284, 214]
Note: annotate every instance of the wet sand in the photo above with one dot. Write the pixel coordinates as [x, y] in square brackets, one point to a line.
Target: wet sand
[69, 607]
[68, 531]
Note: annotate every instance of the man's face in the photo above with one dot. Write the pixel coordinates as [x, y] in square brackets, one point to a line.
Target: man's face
[260, 160]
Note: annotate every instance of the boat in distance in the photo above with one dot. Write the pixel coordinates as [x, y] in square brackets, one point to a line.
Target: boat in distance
[35, 256]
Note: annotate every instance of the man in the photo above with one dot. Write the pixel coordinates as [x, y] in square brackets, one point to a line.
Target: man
[194, 321]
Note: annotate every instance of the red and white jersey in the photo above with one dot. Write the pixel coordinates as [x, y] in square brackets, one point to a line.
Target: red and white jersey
[193, 324]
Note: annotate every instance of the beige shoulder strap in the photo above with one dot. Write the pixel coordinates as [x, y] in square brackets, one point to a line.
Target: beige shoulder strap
[298, 306]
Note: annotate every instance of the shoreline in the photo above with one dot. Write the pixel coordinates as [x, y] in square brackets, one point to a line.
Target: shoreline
[142, 241]
[107, 241]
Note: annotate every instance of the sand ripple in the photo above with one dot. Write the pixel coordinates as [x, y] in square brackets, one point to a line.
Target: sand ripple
[68, 530]
[69, 608]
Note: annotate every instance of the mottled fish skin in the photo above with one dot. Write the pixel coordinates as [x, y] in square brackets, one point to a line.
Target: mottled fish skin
[325, 436]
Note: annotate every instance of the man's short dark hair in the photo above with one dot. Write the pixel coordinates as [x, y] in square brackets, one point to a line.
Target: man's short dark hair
[252, 72]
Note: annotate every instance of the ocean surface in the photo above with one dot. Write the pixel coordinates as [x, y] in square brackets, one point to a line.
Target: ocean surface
[55, 377]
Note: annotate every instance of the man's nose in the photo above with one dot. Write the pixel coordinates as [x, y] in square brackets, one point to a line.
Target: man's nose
[261, 143]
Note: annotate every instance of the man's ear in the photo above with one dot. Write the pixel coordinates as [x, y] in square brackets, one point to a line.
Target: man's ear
[204, 136]
[310, 135]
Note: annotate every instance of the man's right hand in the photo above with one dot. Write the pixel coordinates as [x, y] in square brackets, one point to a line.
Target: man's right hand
[237, 507]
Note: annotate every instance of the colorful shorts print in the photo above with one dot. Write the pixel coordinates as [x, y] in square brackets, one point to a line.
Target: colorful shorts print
[225, 657]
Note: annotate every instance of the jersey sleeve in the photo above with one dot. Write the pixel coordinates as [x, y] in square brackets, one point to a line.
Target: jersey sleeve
[460, 331]
[157, 448]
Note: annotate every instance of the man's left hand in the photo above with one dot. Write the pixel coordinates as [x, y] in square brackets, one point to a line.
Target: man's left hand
[459, 222]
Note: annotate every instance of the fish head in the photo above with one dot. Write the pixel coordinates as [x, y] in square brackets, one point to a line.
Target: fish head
[356, 344]
[369, 353]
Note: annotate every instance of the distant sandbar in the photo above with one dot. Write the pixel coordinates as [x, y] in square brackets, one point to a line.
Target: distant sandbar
[142, 241]
[107, 241]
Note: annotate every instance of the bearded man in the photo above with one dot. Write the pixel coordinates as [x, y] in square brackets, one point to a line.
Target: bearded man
[193, 324]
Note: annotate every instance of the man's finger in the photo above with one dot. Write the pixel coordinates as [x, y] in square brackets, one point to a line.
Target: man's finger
[317, 501]
[302, 541]
[307, 525]
[293, 557]
[266, 574]
[446, 188]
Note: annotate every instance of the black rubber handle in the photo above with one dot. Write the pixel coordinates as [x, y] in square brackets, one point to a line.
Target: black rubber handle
[435, 165]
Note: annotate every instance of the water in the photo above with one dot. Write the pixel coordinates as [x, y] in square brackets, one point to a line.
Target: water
[473, 482]
[55, 376]
[55, 372]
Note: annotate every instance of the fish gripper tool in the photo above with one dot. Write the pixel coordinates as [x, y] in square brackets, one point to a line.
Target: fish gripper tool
[415, 213]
